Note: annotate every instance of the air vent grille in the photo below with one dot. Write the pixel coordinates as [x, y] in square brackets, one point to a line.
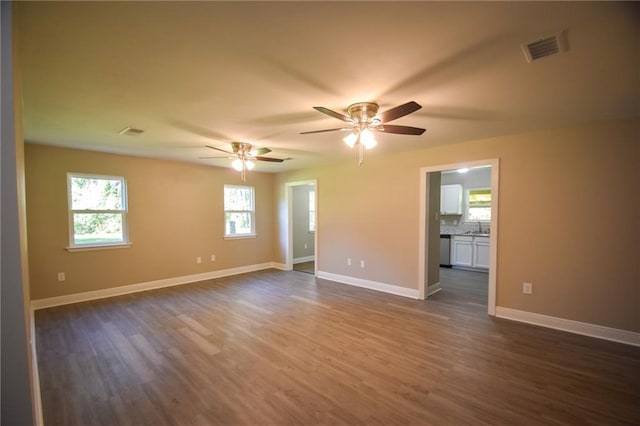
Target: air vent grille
[130, 131]
[545, 46]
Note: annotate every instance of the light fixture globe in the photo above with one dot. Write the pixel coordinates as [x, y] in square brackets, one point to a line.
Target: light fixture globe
[351, 139]
[367, 139]
[237, 164]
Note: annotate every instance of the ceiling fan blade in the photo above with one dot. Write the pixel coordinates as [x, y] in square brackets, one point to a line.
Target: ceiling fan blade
[399, 111]
[259, 151]
[401, 130]
[218, 149]
[273, 160]
[326, 130]
[333, 114]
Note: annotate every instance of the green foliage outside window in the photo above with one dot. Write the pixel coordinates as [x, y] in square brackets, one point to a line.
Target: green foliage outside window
[97, 210]
[239, 210]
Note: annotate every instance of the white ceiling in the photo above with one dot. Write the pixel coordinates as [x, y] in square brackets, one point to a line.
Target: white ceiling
[199, 73]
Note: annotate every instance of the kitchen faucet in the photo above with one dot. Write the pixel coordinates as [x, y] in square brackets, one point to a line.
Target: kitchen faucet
[479, 227]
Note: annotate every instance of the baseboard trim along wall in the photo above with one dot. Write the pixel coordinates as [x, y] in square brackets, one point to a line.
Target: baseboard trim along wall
[35, 377]
[303, 259]
[433, 289]
[577, 327]
[372, 285]
[150, 285]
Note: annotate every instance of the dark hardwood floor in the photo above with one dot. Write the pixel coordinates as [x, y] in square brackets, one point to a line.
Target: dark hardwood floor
[280, 348]
[461, 287]
[308, 267]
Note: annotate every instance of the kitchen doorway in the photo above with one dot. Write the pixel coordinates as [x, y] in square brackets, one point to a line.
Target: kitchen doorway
[485, 255]
[302, 220]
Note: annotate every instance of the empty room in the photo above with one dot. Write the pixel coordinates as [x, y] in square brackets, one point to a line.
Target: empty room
[274, 213]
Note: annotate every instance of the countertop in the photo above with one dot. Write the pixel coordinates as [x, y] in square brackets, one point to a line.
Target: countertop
[468, 235]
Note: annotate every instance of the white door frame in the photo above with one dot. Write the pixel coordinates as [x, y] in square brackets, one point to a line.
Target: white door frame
[289, 200]
[493, 242]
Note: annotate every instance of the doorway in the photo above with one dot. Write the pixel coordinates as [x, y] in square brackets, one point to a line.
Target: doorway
[302, 233]
[430, 223]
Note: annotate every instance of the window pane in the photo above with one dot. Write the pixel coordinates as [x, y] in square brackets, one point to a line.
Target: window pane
[96, 194]
[312, 210]
[479, 213]
[238, 223]
[94, 228]
[479, 197]
[236, 198]
[312, 221]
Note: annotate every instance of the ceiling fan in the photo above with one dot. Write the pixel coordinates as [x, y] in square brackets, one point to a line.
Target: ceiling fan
[363, 119]
[244, 155]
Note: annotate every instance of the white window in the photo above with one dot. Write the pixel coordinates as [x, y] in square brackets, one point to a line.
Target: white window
[312, 211]
[239, 211]
[479, 205]
[97, 210]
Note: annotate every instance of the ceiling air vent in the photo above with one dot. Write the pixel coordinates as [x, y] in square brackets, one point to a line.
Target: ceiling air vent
[130, 131]
[546, 46]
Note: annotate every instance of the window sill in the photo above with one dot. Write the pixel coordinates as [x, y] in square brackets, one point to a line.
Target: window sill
[98, 247]
[239, 237]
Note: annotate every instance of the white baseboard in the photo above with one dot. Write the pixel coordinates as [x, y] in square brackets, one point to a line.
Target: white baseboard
[280, 266]
[373, 285]
[433, 289]
[150, 285]
[303, 259]
[35, 373]
[577, 327]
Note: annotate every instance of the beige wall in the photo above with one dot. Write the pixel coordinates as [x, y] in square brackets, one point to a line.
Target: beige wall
[175, 215]
[568, 218]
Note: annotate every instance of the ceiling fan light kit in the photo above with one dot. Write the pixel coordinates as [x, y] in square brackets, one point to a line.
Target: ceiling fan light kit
[244, 156]
[364, 119]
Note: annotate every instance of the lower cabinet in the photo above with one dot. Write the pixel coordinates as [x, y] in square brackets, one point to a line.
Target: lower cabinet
[481, 252]
[470, 252]
[462, 251]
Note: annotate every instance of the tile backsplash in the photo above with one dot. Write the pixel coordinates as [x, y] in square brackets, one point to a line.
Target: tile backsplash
[456, 226]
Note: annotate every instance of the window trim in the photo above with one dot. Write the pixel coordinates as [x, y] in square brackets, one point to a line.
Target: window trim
[252, 212]
[124, 212]
[466, 204]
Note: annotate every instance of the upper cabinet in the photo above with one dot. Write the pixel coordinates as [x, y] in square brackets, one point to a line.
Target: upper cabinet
[451, 199]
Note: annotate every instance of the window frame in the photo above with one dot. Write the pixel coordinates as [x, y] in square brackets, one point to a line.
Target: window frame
[467, 204]
[124, 213]
[252, 213]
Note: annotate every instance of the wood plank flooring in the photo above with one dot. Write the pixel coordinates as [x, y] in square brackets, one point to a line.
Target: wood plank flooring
[286, 348]
[308, 267]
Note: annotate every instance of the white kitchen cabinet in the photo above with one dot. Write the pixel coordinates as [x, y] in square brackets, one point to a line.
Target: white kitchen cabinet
[451, 199]
[462, 251]
[481, 252]
[470, 251]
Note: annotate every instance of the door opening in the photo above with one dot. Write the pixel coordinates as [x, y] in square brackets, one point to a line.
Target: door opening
[466, 211]
[302, 221]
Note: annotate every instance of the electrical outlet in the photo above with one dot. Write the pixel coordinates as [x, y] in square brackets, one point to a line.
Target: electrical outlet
[305, 245]
[348, 261]
[213, 257]
[198, 259]
[61, 276]
[362, 264]
[527, 288]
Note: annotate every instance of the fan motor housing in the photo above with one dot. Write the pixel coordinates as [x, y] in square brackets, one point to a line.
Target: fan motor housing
[363, 112]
